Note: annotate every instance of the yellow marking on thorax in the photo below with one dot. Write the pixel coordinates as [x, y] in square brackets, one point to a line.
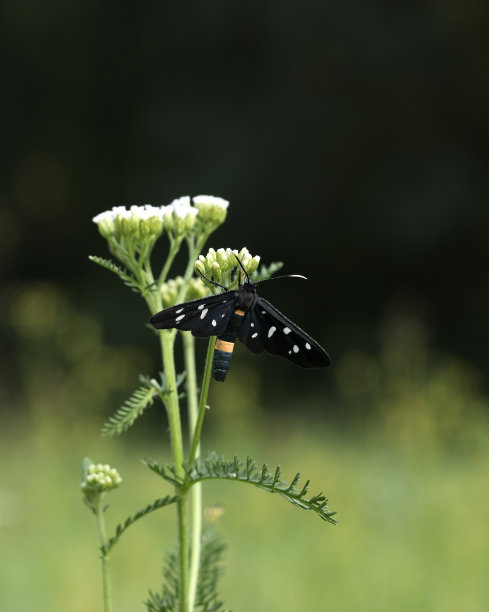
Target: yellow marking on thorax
[222, 345]
[241, 313]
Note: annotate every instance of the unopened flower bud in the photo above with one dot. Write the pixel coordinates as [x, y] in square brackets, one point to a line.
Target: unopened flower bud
[216, 270]
[253, 265]
[212, 211]
[97, 479]
[200, 266]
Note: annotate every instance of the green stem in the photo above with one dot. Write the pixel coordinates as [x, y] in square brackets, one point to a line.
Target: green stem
[172, 407]
[175, 426]
[196, 491]
[174, 248]
[194, 249]
[183, 543]
[195, 444]
[167, 338]
[102, 536]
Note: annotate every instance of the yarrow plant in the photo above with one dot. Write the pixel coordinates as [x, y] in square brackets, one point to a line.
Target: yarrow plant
[192, 572]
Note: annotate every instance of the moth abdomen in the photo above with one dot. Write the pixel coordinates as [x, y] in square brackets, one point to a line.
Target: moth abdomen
[225, 346]
[220, 364]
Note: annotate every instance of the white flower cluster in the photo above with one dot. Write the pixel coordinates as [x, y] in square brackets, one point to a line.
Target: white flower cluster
[205, 200]
[219, 265]
[147, 211]
[178, 217]
[101, 478]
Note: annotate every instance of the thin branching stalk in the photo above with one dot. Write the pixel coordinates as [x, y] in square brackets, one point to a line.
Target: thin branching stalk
[174, 248]
[102, 536]
[195, 444]
[175, 426]
[196, 492]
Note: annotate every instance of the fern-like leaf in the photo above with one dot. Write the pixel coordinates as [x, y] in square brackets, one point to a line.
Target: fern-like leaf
[168, 473]
[248, 471]
[119, 530]
[210, 571]
[169, 598]
[132, 408]
[108, 264]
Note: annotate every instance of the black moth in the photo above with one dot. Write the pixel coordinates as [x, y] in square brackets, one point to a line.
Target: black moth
[241, 313]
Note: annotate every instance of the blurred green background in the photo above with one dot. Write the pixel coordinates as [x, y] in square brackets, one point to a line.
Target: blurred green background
[352, 142]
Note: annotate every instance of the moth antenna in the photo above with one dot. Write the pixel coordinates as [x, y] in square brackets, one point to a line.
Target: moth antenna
[243, 268]
[211, 281]
[281, 276]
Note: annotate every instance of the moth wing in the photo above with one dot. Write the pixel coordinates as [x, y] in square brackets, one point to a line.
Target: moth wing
[204, 317]
[265, 328]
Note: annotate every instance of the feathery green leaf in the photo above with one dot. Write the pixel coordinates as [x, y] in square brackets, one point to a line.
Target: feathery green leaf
[119, 530]
[132, 408]
[248, 471]
[210, 570]
[108, 264]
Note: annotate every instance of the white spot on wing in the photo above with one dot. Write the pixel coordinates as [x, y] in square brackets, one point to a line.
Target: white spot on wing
[254, 335]
[204, 312]
[201, 306]
[271, 331]
[252, 324]
[286, 330]
[179, 310]
[214, 322]
[308, 346]
[264, 312]
[180, 317]
[295, 348]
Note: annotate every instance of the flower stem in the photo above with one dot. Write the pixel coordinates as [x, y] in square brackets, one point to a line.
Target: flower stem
[102, 536]
[196, 490]
[175, 426]
[195, 445]
[174, 248]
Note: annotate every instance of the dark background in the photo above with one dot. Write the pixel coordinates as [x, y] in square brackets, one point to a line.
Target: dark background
[350, 138]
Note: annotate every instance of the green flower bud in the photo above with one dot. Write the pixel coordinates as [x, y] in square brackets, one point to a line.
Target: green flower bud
[253, 265]
[180, 217]
[97, 479]
[222, 259]
[196, 289]
[200, 265]
[212, 211]
[223, 267]
[171, 289]
[211, 256]
[130, 231]
[105, 223]
[215, 271]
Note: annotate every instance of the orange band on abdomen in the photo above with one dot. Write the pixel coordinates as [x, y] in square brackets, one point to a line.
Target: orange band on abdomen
[222, 345]
[241, 313]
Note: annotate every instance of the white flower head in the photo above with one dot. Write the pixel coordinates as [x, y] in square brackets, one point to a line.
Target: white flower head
[212, 211]
[141, 222]
[211, 200]
[180, 216]
[121, 211]
[147, 211]
[182, 201]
